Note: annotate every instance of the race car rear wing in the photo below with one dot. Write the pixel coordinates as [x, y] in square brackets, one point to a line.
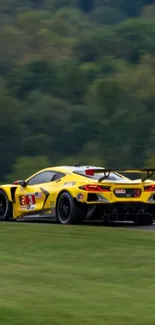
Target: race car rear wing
[149, 172]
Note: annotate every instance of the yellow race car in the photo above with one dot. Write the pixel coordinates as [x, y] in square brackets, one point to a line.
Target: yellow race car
[73, 194]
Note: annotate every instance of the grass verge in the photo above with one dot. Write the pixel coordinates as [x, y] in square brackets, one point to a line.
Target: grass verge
[56, 275]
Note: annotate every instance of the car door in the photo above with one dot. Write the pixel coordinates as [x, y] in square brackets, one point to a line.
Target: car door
[32, 198]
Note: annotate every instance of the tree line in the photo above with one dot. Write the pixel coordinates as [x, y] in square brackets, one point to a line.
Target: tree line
[77, 83]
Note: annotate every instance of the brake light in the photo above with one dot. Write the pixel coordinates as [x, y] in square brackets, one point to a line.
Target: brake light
[89, 172]
[149, 188]
[95, 188]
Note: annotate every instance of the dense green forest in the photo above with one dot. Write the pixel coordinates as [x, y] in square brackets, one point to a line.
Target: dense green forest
[77, 83]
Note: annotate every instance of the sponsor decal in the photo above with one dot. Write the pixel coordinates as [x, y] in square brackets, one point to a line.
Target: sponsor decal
[80, 196]
[120, 191]
[23, 207]
[48, 211]
[69, 183]
[38, 195]
[30, 207]
[52, 209]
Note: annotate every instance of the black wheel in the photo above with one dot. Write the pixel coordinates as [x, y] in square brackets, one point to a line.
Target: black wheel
[143, 221]
[67, 211]
[5, 207]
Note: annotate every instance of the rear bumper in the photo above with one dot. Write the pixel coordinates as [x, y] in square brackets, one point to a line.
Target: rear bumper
[125, 211]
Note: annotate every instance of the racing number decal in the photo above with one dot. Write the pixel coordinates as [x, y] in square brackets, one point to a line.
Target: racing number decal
[22, 200]
[31, 199]
[27, 199]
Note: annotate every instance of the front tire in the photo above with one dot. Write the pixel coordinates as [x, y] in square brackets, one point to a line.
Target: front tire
[5, 207]
[67, 211]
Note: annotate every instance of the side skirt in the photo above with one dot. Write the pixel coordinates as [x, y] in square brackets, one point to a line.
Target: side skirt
[45, 214]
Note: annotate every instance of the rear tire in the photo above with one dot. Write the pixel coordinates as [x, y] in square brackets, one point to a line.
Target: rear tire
[143, 221]
[5, 207]
[67, 211]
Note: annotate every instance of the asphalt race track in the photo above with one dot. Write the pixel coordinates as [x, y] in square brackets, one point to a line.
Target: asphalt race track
[128, 225]
[133, 227]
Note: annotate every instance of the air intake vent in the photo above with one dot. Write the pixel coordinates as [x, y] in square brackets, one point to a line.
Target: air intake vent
[92, 197]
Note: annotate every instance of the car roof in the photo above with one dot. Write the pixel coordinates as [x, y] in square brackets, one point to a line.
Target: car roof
[65, 169]
[70, 169]
[79, 169]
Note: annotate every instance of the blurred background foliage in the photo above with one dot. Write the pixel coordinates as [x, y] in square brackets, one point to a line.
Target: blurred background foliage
[77, 83]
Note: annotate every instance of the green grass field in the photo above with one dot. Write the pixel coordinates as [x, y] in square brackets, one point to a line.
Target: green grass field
[62, 275]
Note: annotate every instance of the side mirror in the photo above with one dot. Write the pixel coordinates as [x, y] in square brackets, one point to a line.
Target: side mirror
[20, 182]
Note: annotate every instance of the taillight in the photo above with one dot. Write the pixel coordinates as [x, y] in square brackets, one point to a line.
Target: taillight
[149, 188]
[95, 188]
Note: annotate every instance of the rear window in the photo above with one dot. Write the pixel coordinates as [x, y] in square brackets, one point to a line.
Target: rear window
[111, 177]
